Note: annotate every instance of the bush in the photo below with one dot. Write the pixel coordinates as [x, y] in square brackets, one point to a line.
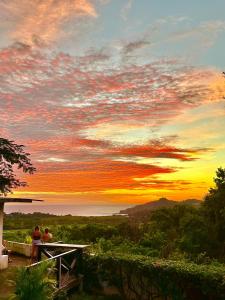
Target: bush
[139, 277]
[28, 239]
[34, 283]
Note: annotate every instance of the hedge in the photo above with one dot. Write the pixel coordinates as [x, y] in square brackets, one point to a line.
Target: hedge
[141, 277]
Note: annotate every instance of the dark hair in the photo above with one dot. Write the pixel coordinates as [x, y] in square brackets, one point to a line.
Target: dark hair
[46, 230]
[36, 228]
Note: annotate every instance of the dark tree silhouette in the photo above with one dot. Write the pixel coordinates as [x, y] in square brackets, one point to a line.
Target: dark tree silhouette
[12, 156]
[215, 199]
[214, 208]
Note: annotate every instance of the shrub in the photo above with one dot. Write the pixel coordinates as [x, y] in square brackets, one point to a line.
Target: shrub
[28, 239]
[34, 283]
[139, 277]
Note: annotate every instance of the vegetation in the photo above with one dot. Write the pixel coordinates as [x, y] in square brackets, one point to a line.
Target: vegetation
[12, 155]
[172, 249]
[194, 233]
[34, 283]
[28, 221]
[141, 277]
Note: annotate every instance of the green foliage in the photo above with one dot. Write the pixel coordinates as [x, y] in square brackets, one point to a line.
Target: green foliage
[214, 210]
[156, 240]
[28, 239]
[175, 279]
[34, 283]
[28, 221]
[194, 237]
[130, 229]
[167, 231]
[18, 235]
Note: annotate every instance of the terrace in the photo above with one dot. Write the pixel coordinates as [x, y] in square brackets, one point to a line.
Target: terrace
[3, 200]
[67, 258]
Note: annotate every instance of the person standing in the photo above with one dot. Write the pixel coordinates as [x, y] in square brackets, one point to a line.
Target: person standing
[36, 239]
[47, 236]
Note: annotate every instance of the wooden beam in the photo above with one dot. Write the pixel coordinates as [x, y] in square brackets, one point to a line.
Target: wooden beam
[52, 258]
[55, 245]
[17, 200]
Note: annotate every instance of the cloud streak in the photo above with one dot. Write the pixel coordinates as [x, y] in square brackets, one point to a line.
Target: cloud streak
[99, 175]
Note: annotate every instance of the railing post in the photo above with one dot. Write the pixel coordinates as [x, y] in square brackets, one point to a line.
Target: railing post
[81, 261]
[76, 266]
[38, 253]
[59, 271]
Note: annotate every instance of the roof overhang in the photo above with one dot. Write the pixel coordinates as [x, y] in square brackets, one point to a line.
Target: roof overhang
[17, 200]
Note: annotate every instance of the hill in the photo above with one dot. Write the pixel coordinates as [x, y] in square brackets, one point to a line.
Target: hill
[144, 209]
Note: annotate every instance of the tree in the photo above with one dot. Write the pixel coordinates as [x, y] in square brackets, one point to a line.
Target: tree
[215, 199]
[166, 227]
[194, 238]
[214, 208]
[11, 156]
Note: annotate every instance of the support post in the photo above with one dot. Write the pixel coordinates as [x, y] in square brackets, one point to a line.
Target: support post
[80, 261]
[39, 250]
[3, 258]
[1, 226]
[59, 271]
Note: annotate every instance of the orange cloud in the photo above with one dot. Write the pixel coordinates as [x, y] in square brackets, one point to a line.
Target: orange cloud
[39, 21]
[157, 149]
[84, 176]
[84, 165]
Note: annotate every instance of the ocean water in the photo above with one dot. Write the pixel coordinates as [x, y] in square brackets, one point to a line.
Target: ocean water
[74, 210]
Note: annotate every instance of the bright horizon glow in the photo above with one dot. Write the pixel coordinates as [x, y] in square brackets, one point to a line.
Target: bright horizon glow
[118, 101]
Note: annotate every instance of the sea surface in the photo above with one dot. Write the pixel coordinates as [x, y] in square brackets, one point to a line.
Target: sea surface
[74, 210]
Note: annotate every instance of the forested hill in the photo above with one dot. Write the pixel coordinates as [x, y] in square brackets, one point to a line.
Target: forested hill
[144, 209]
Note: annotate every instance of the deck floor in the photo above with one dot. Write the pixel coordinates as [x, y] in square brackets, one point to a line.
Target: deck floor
[6, 288]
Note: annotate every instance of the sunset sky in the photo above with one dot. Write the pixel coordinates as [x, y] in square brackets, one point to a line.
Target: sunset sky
[118, 101]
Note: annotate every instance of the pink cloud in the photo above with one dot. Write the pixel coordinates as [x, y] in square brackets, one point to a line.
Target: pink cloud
[46, 95]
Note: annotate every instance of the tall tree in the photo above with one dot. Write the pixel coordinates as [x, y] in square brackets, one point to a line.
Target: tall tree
[215, 199]
[12, 156]
[214, 208]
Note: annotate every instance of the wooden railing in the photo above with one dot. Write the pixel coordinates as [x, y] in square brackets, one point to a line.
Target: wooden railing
[68, 263]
